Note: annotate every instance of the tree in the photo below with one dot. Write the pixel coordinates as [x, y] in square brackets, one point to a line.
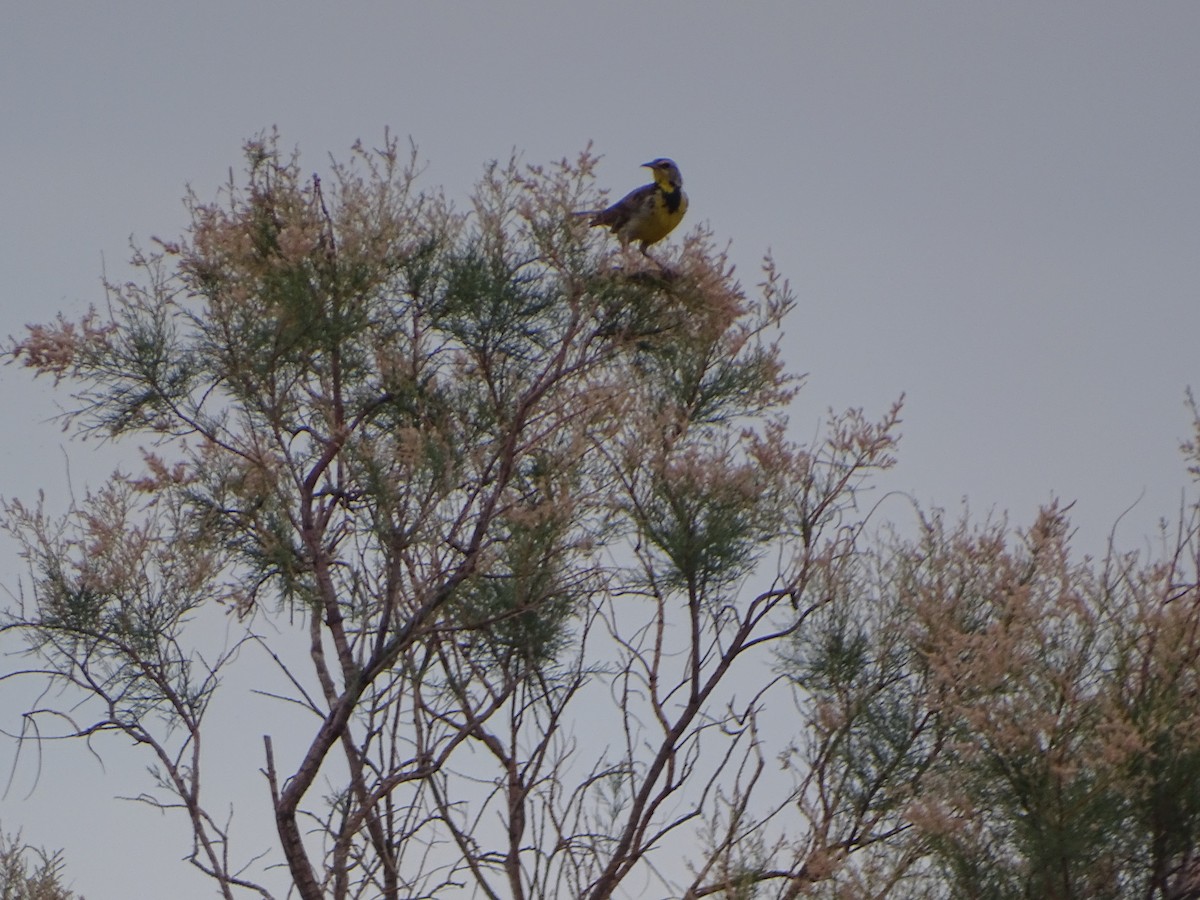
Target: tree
[1026, 724]
[19, 880]
[514, 520]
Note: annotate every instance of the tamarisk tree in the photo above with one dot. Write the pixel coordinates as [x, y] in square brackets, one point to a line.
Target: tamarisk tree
[511, 518]
[1021, 722]
[30, 873]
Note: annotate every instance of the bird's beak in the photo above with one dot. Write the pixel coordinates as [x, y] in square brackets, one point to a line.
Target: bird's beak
[648, 165]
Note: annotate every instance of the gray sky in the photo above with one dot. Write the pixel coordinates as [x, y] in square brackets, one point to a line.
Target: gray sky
[994, 207]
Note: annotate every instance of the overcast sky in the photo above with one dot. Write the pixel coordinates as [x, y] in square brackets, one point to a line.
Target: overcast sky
[992, 207]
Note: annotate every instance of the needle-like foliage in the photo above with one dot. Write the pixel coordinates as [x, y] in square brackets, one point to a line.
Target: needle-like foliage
[510, 516]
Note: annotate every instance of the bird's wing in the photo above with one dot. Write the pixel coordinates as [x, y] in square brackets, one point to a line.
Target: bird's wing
[625, 208]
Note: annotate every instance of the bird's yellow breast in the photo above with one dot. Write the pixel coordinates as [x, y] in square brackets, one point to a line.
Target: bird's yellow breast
[664, 212]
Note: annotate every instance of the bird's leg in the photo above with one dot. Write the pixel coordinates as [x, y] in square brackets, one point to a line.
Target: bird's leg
[646, 253]
[665, 271]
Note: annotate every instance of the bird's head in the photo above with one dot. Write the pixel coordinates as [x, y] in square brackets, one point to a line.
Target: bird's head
[666, 173]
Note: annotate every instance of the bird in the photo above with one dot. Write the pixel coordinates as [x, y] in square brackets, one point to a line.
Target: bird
[649, 213]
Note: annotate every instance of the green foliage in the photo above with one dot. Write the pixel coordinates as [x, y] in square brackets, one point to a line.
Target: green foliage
[518, 615]
[708, 519]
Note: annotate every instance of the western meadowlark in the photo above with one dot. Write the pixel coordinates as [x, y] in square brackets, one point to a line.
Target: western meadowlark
[649, 213]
